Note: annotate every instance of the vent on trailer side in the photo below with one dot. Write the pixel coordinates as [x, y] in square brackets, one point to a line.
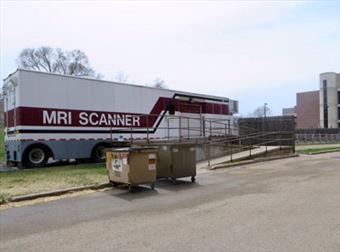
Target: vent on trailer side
[233, 106]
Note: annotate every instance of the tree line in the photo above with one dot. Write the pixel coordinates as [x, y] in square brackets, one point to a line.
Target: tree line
[74, 62]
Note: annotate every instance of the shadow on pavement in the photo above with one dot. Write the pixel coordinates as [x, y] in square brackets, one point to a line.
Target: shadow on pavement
[179, 185]
[144, 190]
[137, 192]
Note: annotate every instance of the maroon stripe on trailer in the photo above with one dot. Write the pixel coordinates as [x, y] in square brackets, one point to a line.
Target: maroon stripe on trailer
[32, 116]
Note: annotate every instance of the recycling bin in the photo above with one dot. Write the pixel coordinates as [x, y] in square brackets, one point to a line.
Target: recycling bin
[132, 166]
[177, 161]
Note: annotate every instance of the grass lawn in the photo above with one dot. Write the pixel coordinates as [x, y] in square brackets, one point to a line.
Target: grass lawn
[303, 144]
[47, 179]
[29, 181]
[318, 150]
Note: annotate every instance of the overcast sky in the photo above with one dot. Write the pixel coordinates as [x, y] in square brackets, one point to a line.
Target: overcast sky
[251, 51]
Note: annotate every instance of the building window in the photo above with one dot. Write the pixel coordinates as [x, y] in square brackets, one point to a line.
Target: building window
[338, 113]
[338, 97]
[325, 104]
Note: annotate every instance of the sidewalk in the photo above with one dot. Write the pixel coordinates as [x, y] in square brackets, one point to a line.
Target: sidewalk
[236, 157]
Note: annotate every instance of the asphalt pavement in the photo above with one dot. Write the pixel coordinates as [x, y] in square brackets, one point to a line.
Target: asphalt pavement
[282, 205]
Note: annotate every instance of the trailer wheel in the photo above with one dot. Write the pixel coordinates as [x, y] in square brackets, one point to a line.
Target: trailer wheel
[98, 153]
[114, 184]
[36, 156]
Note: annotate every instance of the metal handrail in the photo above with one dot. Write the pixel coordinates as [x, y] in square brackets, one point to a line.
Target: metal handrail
[209, 131]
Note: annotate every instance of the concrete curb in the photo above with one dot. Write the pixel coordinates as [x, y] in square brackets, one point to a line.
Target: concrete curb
[252, 161]
[321, 152]
[58, 192]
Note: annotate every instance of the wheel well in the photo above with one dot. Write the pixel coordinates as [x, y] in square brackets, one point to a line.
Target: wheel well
[40, 145]
[105, 144]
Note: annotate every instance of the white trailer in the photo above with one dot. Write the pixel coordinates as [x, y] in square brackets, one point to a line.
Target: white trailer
[66, 117]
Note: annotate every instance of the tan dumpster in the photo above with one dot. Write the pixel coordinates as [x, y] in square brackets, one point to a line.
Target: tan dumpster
[132, 166]
[177, 161]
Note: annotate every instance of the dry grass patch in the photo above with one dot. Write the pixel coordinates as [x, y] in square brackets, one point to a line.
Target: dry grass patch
[29, 181]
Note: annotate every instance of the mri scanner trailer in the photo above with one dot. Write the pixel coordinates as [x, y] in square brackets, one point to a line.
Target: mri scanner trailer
[66, 117]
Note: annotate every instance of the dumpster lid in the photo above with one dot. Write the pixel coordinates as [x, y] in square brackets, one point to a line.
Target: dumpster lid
[133, 149]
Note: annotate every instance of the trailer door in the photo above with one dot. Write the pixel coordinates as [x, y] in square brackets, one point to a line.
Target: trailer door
[10, 109]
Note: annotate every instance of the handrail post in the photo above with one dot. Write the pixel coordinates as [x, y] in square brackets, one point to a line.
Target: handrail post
[188, 127]
[168, 124]
[131, 136]
[231, 152]
[230, 133]
[147, 129]
[203, 127]
[280, 142]
[180, 128]
[209, 156]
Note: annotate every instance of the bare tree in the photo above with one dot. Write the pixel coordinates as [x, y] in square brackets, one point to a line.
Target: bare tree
[47, 59]
[261, 111]
[159, 83]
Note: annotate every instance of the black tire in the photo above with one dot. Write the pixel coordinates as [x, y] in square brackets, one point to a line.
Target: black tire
[98, 153]
[114, 184]
[193, 179]
[36, 156]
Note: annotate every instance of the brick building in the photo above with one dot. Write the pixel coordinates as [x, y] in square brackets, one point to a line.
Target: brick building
[308, 109]
[319, 108]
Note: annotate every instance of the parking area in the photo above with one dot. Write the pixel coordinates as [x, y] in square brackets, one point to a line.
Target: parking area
[283, 205]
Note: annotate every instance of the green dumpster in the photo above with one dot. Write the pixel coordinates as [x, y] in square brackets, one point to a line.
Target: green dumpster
[177, 161]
